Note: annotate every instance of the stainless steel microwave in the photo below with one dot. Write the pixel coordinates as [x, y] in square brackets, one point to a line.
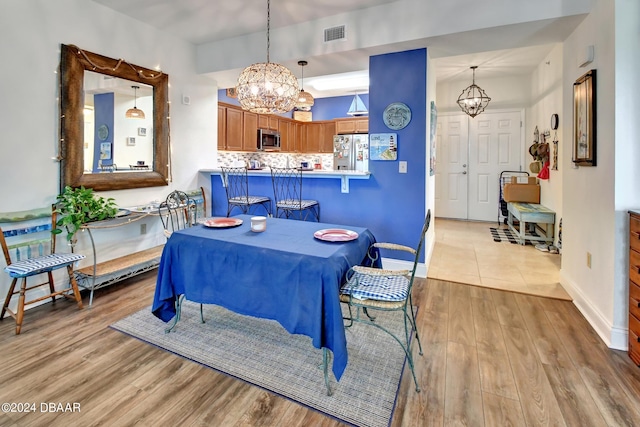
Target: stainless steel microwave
[268, 140]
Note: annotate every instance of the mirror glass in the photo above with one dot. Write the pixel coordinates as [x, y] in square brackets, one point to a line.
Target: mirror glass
[112, 141]
[114, 122]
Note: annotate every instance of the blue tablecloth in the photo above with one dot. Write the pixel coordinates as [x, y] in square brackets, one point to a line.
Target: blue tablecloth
[284, 274]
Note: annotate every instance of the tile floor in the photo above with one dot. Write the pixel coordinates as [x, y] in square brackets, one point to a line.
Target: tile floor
[466, 253]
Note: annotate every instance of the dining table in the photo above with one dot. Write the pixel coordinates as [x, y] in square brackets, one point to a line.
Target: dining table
[291, 273]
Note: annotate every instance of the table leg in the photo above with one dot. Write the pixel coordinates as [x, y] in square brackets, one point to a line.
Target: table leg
[325, 367]
[176, 318]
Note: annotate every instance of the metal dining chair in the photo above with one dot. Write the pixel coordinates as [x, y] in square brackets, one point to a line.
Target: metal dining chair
[236, 184]
[287, 189]
[177, 212]
[368, 289]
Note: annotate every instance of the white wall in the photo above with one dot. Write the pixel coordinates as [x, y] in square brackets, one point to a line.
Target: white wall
[508, 92]
[546, 99]
[588, 192]
[627, 150]
[430, 185]
[31, 32]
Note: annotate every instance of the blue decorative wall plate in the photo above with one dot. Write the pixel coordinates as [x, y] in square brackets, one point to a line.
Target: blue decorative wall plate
[396, 116]
[103, 132]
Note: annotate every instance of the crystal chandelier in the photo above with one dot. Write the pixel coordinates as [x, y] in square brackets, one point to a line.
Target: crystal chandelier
[473, 100]
[267, 88]
[135, 112]
[305, 99]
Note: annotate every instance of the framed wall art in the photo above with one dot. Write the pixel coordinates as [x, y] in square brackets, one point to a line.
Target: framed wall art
[584, 120]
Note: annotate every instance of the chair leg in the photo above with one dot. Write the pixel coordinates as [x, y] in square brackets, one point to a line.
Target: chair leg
[415, 325]
[20, 310]
[52, 288]
[372, 318]
[350, 318]
[8, 298]
[74, 285]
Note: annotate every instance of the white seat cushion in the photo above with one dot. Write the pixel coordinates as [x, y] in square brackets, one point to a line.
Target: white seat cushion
[29, 267]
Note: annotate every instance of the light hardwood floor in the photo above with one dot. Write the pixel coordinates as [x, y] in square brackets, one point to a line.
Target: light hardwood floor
[491, 358]
[465, 252]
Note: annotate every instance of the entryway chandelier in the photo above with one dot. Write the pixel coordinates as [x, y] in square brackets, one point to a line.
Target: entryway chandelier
[305, 99]
[267, 88]
[135, 112]
[473, 100]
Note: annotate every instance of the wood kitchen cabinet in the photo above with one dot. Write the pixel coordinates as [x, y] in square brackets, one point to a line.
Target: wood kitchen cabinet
[266, 121]
[250, 131]
[313, 136]
[347, 126]
[222, 127]
[634, 286]
[299, 132]
[238, 130]
[326, 141]
[235, 131]
[287, 136]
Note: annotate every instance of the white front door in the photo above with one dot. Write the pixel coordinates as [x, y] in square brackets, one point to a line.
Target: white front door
[452, 159]
[474, 151]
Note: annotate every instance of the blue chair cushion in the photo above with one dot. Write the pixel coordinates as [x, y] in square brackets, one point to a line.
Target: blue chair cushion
[381, 288]
[29, 267]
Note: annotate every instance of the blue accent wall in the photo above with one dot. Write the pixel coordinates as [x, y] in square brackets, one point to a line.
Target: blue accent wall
[390, 204]
[103, 105]
[398, 211]
[323, 109]
[335, 107]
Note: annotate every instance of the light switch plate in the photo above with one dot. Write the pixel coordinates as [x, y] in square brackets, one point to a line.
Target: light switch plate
[402, 166]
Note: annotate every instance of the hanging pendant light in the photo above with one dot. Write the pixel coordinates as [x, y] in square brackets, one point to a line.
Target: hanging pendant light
[357, 107]
[305, 99]
[267, 88]
[473, 100]
[135, 112]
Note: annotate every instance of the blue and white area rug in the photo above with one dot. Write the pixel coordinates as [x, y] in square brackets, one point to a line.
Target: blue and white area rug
[263, 353]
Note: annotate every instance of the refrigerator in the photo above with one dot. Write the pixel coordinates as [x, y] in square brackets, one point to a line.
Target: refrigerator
[351, 152]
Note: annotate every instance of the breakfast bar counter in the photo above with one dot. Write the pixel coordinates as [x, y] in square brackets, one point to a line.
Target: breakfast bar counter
[343, 175]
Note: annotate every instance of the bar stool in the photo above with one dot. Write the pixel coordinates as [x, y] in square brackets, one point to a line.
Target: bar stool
[237, 187]
[287, 189]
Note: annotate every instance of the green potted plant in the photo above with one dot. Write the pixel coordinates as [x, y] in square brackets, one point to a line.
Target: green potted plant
[77, 206]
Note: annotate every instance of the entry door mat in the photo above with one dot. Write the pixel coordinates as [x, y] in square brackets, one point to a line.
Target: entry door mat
[263, 353]
[505, 235]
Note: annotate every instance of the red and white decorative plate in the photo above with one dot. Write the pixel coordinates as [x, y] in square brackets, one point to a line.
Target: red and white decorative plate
[335, 235]
[220, 222]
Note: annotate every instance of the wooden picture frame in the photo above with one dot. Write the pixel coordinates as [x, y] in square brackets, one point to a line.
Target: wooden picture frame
[584, 120]
[232, 93]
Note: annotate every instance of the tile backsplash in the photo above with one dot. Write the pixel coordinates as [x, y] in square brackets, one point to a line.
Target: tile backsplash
[278, 160]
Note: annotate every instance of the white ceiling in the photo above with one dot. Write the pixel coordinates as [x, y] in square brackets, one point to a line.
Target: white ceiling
[500, 51]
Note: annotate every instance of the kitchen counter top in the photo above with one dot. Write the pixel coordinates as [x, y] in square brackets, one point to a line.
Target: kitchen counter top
[343, 175]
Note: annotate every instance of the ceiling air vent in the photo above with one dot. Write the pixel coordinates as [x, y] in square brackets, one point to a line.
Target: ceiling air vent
[334, 33]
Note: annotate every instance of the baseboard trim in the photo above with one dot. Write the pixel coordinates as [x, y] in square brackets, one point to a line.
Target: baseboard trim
[613, 337]
[422, 269]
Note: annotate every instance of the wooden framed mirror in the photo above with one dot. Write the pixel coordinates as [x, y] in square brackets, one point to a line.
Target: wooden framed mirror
[78, 66]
